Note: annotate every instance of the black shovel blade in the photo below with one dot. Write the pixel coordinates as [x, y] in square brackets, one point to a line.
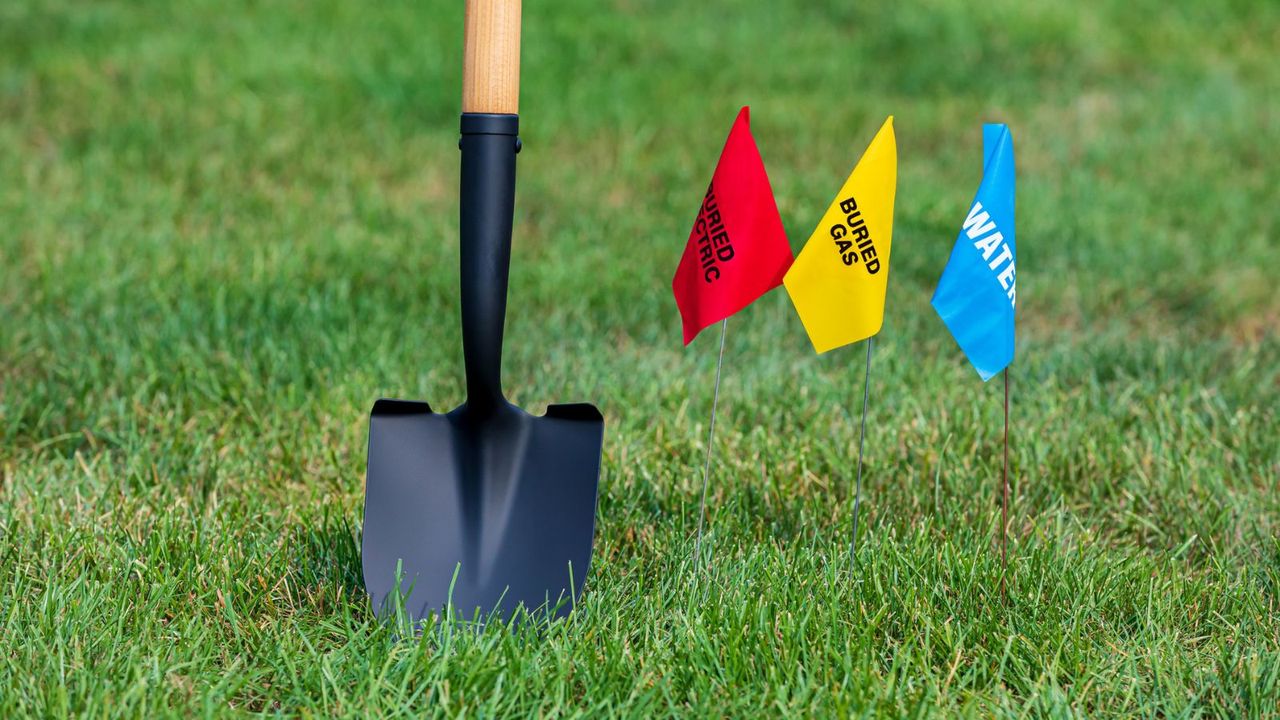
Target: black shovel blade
[485, 511]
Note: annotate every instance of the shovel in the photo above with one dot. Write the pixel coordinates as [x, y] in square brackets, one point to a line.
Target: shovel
[486, 509]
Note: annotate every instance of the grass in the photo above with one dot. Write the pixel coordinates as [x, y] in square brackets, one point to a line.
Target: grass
[227, 227]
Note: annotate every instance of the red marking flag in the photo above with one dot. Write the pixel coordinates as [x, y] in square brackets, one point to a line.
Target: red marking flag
[737, 250]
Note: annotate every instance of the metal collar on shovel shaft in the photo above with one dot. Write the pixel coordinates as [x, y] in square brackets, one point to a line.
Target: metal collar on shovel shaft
[486, 508]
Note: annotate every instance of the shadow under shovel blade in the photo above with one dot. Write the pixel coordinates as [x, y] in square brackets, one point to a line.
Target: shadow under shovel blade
[505, 502]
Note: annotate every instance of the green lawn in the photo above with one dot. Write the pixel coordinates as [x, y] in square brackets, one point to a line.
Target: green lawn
[226, 227]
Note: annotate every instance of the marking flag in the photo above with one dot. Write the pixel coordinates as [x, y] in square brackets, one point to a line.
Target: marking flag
[977, 292]
[838, 281]
[737, 250]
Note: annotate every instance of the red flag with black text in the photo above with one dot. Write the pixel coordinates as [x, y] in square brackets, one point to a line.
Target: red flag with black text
[737, 250]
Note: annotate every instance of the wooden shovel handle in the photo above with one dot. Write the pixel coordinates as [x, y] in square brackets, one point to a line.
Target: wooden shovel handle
[491, 57]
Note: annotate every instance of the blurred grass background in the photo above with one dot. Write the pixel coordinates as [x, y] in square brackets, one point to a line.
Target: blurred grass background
[227, 227]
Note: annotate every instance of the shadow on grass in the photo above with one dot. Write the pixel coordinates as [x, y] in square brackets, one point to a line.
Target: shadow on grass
[327, 555]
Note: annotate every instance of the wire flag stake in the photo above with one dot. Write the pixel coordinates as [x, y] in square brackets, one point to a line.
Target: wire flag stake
[862, 439]
[711, 433]
[1004, 490]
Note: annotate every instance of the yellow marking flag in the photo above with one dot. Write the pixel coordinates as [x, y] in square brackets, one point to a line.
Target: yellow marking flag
[838, 281]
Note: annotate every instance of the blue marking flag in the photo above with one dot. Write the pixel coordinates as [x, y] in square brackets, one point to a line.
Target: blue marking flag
[976, 294]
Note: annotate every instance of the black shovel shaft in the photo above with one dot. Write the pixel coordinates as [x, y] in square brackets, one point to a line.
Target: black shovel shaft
[489, 145]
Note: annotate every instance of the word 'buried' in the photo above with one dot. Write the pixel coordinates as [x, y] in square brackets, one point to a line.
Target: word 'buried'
[714, 247]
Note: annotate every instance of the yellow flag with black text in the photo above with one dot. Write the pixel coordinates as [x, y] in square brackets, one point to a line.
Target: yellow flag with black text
[838, 280]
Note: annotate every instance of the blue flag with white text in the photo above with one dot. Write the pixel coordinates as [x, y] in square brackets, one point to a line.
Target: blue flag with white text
[976, 295]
